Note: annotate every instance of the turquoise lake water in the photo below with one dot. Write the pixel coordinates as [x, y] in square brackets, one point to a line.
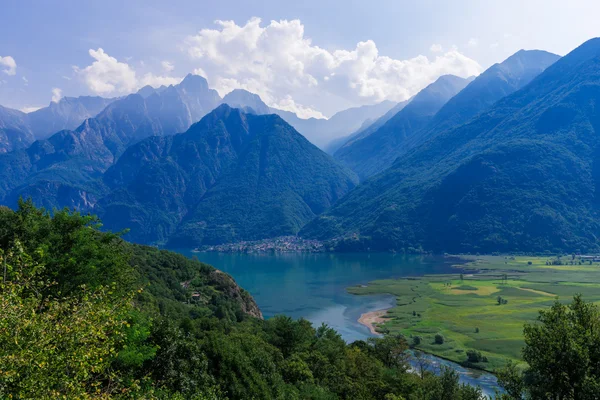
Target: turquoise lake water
[313, 286]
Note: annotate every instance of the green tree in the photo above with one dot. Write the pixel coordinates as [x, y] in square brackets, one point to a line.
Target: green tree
[391, 351]
[54, 347]
[510, 378]
[563, 352]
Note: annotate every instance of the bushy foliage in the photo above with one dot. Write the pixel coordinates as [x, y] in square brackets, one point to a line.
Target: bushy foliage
[439, 339]
[87, 315]
[562, 351]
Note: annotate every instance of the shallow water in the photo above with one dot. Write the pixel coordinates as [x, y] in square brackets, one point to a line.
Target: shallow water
[313, 286]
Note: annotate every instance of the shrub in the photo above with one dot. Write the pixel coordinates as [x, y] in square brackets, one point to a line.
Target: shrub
[439, 339]
[416, 340]
[475, 356]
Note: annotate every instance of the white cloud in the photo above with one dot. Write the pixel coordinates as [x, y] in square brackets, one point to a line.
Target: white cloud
[278, 62]
[56, 95]
[473, 42]
[436, 48]
[494, 45]
[25, 80]
[288, 104]
[167, 66]
[8, 65]
[108, 75]
[28, 110]
[200, 72]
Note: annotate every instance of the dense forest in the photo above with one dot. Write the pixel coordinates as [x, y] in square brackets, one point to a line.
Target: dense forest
[86, 315]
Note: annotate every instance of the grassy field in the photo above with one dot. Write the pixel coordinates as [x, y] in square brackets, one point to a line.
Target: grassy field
[466, 311]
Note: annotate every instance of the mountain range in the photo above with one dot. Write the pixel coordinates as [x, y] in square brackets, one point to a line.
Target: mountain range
[375, 152]
[232, 176]
[62, 170]
[440, 106]
[521, 176]
[506, 161]
[368, 127]
[19, 130]
[322, 132]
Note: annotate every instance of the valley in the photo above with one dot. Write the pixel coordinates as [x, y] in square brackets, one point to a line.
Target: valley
[315, 286]
[242, 211]
[482, 305]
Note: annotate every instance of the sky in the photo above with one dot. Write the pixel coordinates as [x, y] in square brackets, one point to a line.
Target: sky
[310, 57]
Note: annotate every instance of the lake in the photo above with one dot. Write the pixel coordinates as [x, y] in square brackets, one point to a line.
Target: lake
[313, 286]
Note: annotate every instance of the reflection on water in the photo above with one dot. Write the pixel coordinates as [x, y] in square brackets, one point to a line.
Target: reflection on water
[313, 286]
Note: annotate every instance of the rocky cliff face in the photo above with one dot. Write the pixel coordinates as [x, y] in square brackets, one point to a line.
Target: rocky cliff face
[229, 287]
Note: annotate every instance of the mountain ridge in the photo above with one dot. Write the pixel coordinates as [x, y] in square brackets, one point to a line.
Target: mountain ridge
[199, 177]
[522, 176]
[375, 152]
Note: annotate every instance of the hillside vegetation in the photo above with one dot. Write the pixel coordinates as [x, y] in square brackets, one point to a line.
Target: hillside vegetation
[522, 176]
[89, 316]
[232, 176]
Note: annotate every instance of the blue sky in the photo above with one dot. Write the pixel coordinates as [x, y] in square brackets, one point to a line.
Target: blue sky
[316, 58]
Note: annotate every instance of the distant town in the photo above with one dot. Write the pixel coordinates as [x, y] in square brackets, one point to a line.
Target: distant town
[283, 244]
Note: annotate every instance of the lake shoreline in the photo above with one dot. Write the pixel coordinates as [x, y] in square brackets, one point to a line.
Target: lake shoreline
[315, 286]
[503, 289]
[372, 319]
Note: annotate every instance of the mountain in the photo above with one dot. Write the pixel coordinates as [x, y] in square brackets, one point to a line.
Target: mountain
[62, 170]
[18, 130]
[246, 101]
[232, 176]
[321, 132]
[370, 156]
[15, 132]
[496, 82]
[377, 151]
[148, 90]
[368, 127]
[68, 113]
[521, 176]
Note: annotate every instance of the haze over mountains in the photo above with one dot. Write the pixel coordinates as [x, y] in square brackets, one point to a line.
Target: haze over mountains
[377, 151]
[61, 170]
[505, 161]
[322, 132]
[232, 176]
[19, 130]
[444, 104]
[521, 176]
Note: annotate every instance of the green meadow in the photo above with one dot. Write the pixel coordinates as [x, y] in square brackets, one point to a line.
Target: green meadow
[484, 305]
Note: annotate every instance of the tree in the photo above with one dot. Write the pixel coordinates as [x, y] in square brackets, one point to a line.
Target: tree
[56, 346]
[563, 352]
[391, 351]
[447, 387]
[475, 356]
[439, 339]
[416, 340]
[510, 378]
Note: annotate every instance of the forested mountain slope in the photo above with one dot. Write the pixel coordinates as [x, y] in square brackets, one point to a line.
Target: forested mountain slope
[522, 176]
[232, 176]
[377, 151]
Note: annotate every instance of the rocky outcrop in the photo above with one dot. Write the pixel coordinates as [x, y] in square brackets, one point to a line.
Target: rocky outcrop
[226, 284]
